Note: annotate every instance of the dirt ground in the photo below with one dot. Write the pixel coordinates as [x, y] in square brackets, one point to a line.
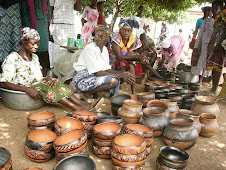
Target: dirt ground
[208, 153]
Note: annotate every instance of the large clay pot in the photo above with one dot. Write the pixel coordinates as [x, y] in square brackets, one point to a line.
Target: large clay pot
[191, 115]
[155, 118]
[209, 124]
[173, 109]
[180, 133]
[130, 111]
[205, 104]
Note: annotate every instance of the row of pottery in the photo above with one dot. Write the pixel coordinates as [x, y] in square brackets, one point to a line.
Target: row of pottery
[41, 120]
[39, 145]
[103, 134]
[128, 152]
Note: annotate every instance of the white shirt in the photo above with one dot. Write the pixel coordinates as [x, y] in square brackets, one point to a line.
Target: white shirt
[63, 12]
[92, 59]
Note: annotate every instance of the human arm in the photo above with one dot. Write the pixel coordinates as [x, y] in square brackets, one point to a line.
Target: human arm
[85, 12]
[195, 32]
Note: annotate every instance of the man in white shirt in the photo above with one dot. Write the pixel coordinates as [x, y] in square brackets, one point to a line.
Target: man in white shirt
[93, 72]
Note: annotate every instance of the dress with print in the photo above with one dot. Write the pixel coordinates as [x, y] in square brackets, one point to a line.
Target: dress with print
[27, 73]
[91, 16]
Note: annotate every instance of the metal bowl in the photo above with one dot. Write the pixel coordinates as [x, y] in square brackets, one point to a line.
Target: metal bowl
[18, 100]
[76, 162]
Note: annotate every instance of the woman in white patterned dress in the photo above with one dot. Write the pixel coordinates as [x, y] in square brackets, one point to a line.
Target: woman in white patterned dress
[62, 25]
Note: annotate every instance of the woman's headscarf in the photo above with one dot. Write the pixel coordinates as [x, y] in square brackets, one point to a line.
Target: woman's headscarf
[103, 28]
[29, 34]
[128, 23]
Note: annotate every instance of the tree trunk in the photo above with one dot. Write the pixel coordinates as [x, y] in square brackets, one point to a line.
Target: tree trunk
[115, 15]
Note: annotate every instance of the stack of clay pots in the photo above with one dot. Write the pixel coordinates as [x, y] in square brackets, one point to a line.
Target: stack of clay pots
[103, 134]
[141, 130]
[71, 143]
[39, 145]
[87, 118]
[128, 152]
[41, 120]
[5, 159]
[66, 124]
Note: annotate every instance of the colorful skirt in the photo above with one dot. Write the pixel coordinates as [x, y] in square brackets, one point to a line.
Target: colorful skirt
[53, 94]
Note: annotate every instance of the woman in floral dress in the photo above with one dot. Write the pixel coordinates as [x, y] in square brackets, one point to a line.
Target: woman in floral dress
[21, 72]
[91, 14]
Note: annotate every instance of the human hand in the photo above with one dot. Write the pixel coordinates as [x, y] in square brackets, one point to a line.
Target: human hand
[51, 81]
[34, 93]
[128, 77]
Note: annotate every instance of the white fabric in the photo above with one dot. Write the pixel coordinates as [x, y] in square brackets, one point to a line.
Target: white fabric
[20, 72]
[63, 11]
[166, 43]
[92, 59]
[140, 30]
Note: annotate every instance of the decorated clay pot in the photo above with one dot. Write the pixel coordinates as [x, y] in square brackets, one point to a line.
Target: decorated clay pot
[67, 124]
[102, 152]
[173, 109]
[77, 150]
[148, 150]
[205, 104]
[171, 158]
[107, 130]
[40, 140]
[122, 164]
[145, 96]
[47, 127]
[41, 119]
[155, 118]
[139, 129]
[5, 159]
[128, 158]
[85, 116]
[70, 141]
[209, 124]
[191, 115]
[102, 143]
[130, 111]
[180, 133]
[115, 119]
[129, 144]
[117, 167]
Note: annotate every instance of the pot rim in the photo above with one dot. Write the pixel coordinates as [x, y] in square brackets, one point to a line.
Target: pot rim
[139, 132]
[68, 118]
[199, 100]
[211, 116]
[107, 133]
[175, 149]
[189, 122]
[154, 114]
[41, 120]
[117, 119]
[190, 113]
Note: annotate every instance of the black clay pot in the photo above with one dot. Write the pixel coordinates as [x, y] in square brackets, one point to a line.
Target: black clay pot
[115, 119]
[174, 97]
[102, 114]
[5, 159]
[194, 86]
[183, 91]
[117, 101]
[188, 99]
[160, 94]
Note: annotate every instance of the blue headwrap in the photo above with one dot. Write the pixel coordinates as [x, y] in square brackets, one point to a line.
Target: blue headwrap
[128, 23]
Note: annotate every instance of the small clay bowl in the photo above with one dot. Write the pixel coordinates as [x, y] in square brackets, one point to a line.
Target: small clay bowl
[77, 150]
[85, 116]
[38, 156]
[206, 100]
[121, 163]
[194, 86]
[145, 96]
[139, 129]
[101, 150]
[173, 157]
[70, 141]
[128, 158]
[79, 162]
[5, 159]
[41, 119]
[115, 119]
[102, 143]
[129, 144]
[107, 130]
[48, 127]
[182, 91]
[67, 124]
[41, 140]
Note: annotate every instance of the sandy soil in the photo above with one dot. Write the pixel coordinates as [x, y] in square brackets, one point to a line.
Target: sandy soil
[208, 153]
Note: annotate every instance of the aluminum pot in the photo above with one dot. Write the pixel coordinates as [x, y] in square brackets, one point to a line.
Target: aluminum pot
[18, 100]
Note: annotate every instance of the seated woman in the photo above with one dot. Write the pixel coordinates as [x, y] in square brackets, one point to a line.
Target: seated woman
[21, 72]
[124, 46]
[93, 71]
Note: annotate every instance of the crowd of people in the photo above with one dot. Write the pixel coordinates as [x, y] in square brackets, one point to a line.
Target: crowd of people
[107, 60]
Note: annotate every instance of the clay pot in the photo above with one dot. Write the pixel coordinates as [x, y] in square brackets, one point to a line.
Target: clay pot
[194, 86]
[115, 119]
[85, 116]
[145, 96]
[41, 140]
[48, 127]
[87, 126]
[128, 158]
[173, 109]
[70, 141]
[156, 118]
[107, 130]
[130, 111]
[116, 167]
[205, 104]
[160, 94]
[5, 159]
[180, 133]
[38, 156]
[159, 82]
[84, 152]
[138, 129]
[117, 101]
[182, 91]
[171, 157]
[77, 150]
[129, 144]
[209, 124]
[102, 114]
[106, 151]
[151, 86]
[122, 164]
[191, 115]
[148, 150]
[41, 118]
[67, 124]
[175, 97]
[102, 143]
